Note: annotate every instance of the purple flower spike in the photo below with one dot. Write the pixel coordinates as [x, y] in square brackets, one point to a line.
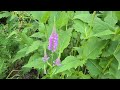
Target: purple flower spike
[45, 58]
[57, 62]
[53, 40]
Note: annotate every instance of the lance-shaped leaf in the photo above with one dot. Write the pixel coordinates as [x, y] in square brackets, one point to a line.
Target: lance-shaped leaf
[68, 63]
[64, 39]
[110, 49]
[62, 19]
[37, 35]
[34, 46]
[113, 70]
[91, 49]
[21, 53]
[99, 27]
[111, 18]
[117, 54]
[36, 63]
[81, 27]
[93, 67]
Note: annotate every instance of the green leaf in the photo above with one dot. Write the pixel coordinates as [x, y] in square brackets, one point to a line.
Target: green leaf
[37, 64]
[34, 46]
[45, 15]
[117, 55]
[64, 39]
[37, 35]
[62, 20]
[25, 39]
[81, 27]
[110, 49]
[103, 62]
[85, 17]
[34, 57]
[68, 63]
[92, 48]
[70, 14]
[106, 32]
[113, 70]
[4, 14]
[111, 18]
[20, 54]
[93, 67]
[36, 14]
[117, 14]
[100, 28]
[41, 27]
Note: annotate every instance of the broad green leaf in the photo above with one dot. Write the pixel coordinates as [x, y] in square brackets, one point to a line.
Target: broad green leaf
[4, 14]
[85, 17]
[106, 32]
[37, 64]
[25, 39]
[34, 46]
[81, 12]
[37, 35]
[70, 14]
[45, 15]
[36, 14]
[21, 53]
[110, 49]
[111, 18]
[100, 28]
[34, 57]
[103, 62]
[74, 34]
[92, 48]
[62, 19]
[93, 68]
[54, 14]
[41, 27]
[117, 14]
[117, 55]
[68, 63]
[81, 27]
[113, 70]
[64, 39]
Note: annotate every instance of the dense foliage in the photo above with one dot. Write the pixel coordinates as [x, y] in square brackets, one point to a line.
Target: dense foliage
[59, 45]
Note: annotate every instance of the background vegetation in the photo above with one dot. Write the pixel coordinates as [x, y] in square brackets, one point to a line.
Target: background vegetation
[88, 44]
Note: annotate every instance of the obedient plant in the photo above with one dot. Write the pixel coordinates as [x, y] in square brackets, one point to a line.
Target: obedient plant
[57, 62]
[53, 40]
[89, 44]
[45, 58]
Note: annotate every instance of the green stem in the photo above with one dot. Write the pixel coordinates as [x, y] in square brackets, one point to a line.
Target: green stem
[94, 13]
[59, 55]
[49, 64]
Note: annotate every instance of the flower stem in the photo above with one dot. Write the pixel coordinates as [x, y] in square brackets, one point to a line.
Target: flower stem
[49, 64]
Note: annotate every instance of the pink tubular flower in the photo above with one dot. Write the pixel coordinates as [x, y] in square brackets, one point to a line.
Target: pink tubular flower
[53, 40]
[57, 62]
[45, 58]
